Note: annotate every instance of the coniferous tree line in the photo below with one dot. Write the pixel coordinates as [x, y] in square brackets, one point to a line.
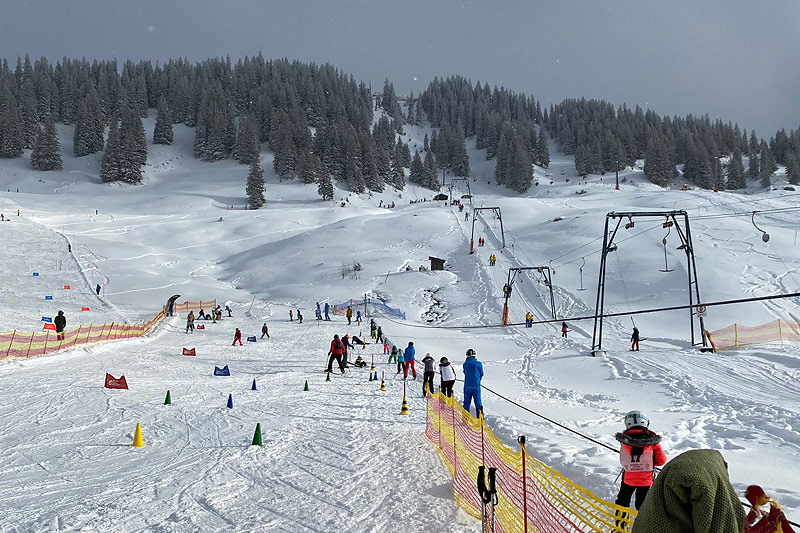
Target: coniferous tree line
[319, 123]
[316, 119]
[604, 137]
[506, 124]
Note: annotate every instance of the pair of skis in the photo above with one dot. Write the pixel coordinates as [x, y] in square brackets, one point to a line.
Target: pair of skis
[487, 491]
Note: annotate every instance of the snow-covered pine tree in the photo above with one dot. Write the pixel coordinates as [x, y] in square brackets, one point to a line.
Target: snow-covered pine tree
[247, 146]
[47, 155]
[793, 168]
[417, 170]
[255, 185]
[325, 188]
[736, 179]
[459, 160]
[353, 176]
[162, 131]
[429, 171]
[109, 169]
[766, 167]
[542, 150]
[398, 176]
[11, 133]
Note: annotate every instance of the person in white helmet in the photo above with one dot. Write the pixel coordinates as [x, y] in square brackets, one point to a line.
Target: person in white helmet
[639, 453]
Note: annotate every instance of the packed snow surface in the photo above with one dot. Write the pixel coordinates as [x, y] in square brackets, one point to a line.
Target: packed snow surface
[339, 457]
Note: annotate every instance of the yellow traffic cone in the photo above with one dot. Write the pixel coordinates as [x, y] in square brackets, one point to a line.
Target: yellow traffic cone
[372, 366]
[404, 407]
[138, 442]
[383, 385]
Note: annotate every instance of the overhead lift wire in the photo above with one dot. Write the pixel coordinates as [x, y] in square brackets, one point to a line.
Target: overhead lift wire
[606, 315]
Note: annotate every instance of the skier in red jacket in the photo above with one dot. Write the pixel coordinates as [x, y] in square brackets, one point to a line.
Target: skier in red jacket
[639, 453]
[237, 337]
[335, 353]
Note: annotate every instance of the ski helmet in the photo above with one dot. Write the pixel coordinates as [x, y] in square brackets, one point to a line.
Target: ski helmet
[470, 352]
[636, 418]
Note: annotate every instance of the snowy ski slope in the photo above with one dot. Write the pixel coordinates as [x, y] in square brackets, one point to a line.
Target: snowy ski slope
[338, 456]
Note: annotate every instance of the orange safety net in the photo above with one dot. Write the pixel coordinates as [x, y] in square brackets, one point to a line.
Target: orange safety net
[532, 497]
[737, 335]
[17, 344]
[192, 306]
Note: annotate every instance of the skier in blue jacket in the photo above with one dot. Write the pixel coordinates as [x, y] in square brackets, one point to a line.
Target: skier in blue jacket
[408, 361]
[473, 373]
[327, 310]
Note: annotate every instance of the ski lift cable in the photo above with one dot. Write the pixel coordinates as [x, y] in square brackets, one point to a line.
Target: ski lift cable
[604, 315]
[658, 225]
[622, 278]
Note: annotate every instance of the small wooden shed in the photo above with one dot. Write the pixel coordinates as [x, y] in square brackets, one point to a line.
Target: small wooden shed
[436, 263]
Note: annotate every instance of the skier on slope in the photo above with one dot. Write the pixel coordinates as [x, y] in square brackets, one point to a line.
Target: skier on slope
[61, 324]
[400, 360]
[448, 377]
[639, 453]
[358, 317]
[228, 309]
[379, 334]
[408, 361]
[237, 337]
[318, 312]
[427, 376]
[327, 309]
[189, 322]
[473, 373]
[393, 356]
[349, 315]
[264, 331]
[373, 328]
[564, 329]
[635, 339]
[299, 316]
[347, 344]
[291, 315]
[335, 353]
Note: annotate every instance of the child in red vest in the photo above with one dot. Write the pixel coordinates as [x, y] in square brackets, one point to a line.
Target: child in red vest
[639, 453]
[237, 337]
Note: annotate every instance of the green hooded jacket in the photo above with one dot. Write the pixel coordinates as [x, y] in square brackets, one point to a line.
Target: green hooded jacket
[692, 494]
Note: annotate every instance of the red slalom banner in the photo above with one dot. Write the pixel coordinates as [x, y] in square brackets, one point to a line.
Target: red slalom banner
[51, 327]
[114, 383]
[187, 351]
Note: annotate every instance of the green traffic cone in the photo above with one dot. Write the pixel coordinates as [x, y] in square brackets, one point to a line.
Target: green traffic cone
[328, 378]
[168, 399]
[257, 436]
[305, 389]
[370, 376]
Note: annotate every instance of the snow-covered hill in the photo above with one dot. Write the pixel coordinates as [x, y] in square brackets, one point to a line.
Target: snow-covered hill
[338, 456]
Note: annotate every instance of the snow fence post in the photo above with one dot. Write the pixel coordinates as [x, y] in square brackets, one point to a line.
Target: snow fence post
[46, 338]
[110, 329]
[439, 421]
[29, 345]
[780, 332]
[10, 343]
[483, 454]
[78, 336]
[455, 455]
[521, 440]
[735, 335]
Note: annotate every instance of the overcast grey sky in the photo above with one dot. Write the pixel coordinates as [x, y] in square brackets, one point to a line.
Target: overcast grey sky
[733, 59]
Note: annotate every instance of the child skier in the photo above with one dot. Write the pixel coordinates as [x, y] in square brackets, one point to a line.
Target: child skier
[237, 337]
[528, 320]
[335, 353]
[635, 339]
[190, 322]
[360, 363]
[639, 453]
[327, 309]
[299, 316]
[379, 334]
[400, 360]
[349, 315]
[264, 331]
[358, 317]
[291, 315]
[393, 355]
[564, 329]
[228, 309]
[448, 377]
[427, 376]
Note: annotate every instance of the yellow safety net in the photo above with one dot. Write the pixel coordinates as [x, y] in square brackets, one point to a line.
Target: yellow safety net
[532, 497]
